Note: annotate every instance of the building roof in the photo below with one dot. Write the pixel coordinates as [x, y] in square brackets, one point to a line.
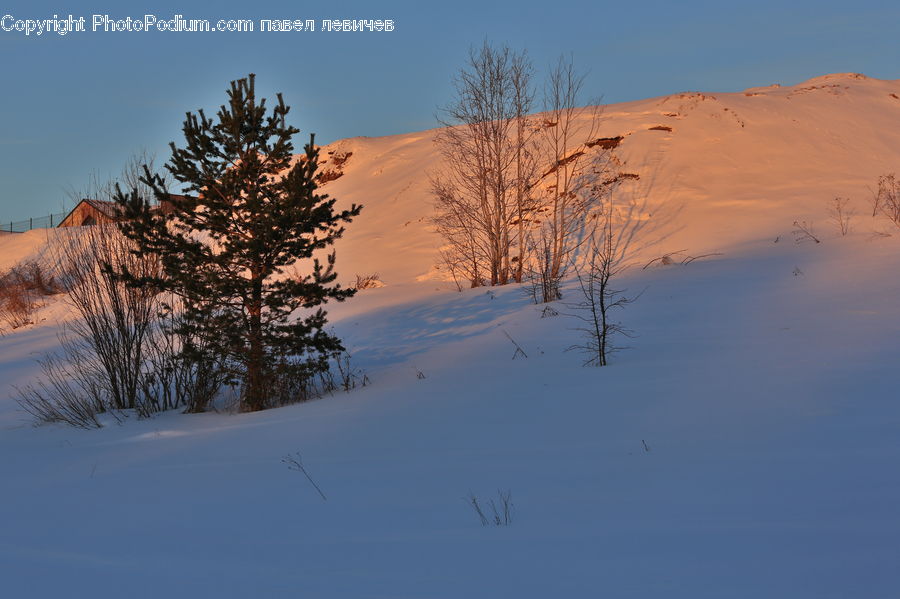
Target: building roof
[107, 208]
[113, 211]
[102, 208]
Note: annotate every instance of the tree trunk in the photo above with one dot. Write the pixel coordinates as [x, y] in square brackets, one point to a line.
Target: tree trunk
[255, 392]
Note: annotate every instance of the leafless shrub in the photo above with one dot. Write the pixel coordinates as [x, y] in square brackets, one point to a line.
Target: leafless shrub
[544, 282]
[368, 282]
[72, 389]
[840, 214]
[17, 305]
[103, 363]
[803, 231]
[126, 350]
[298, 380]
[499, 512]
[182, 371]
[449, 258]
[350, 376]
[886, 199]
[33, 276]
[21, 289]
[324, 383]
[294, 380]
[116, 320]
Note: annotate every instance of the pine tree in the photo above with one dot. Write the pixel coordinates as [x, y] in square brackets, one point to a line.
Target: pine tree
[231, 249]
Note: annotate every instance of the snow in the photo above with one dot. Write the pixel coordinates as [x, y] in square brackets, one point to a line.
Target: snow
[762, 382]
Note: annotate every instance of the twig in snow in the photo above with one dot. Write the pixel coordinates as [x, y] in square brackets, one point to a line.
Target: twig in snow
[519, 349]
[296, 463]
[804, 232]
[501, 513]
[689, 259]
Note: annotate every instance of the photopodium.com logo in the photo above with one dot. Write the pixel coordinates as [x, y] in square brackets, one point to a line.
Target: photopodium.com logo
[179, 24]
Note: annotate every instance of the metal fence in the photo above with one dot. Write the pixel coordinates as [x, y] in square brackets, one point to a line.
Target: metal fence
[41, 222]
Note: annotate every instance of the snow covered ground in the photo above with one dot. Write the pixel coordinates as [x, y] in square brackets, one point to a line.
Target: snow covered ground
[746, 445]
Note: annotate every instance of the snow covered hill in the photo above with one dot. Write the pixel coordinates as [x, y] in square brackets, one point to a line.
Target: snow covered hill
[717, 170]
[745, 446]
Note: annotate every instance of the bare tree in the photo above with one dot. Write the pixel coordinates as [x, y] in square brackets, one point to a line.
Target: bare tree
[482, 194]
[575, 164]
[599, 296]
[526, 160]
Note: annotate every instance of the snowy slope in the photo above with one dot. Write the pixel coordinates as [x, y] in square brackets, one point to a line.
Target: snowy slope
[745, 446]
[734, 167]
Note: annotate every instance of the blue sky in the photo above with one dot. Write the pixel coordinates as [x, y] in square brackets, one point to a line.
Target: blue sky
[81, 104]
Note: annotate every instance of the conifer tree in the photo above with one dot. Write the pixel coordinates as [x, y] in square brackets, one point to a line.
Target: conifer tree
[232, 248]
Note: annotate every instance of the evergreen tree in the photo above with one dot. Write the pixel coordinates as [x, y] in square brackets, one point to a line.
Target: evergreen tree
[229, 249]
